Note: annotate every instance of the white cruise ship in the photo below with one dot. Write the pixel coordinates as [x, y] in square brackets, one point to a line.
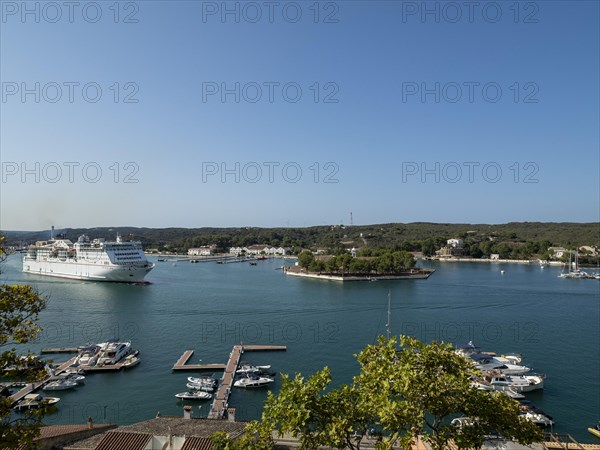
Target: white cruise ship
[96, 260]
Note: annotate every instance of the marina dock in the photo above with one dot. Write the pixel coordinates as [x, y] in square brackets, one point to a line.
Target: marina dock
[219, 405]
[181, 363]
[220, 402]
[60, 350]
[28, 389]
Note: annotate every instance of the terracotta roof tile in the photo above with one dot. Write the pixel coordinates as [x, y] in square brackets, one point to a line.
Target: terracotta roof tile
[194, 443]
[124, 441]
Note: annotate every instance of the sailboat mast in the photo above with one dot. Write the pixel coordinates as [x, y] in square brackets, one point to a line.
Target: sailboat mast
[387, 326]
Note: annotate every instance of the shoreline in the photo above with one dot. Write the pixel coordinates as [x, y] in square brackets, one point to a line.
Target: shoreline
[419, 274]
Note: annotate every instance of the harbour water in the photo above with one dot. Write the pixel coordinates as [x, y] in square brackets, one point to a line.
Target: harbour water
[554, 323]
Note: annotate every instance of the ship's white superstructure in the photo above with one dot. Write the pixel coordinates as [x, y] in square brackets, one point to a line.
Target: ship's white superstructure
[97, 260]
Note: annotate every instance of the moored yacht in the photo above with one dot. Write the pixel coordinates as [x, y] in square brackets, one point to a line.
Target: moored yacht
[253, 381]
[485, 363]
[32, 401]
[497, 381]
[112, 351]
[60, 385]
[194, 395]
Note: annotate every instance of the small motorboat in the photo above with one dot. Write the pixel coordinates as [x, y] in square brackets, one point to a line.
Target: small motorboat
[596, 430]
[485, 363]
[538, 418]
[31, 401]
[88, 356]
[497, 381]
[460, 422]
[199, 387]
[534, 414]
[79, 379]
[60, 385]
[131, 360]
[247, 369]
[209, 381]
[248, 365]
[194, 395]
[253, 382]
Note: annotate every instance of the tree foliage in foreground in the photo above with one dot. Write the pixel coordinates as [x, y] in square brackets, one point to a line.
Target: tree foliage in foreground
[402, 392]
[20, 306]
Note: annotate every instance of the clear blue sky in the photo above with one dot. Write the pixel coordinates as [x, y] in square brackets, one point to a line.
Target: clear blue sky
[375, 58]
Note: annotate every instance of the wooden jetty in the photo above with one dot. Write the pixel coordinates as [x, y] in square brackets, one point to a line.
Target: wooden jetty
[60, 350]
[220, 401]
[28, 389]
[181, 363]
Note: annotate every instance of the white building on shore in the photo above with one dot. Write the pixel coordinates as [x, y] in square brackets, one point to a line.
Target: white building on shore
[260, 249]
[202, 251]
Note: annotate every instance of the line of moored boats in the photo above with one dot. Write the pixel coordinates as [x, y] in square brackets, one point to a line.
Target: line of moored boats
[247, 376]
[109, 353]
[505, 374]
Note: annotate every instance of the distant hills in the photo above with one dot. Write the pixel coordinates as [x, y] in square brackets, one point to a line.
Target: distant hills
[377, 235]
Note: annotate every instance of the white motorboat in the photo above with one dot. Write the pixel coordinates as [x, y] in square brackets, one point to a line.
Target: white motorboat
[460, 422]
[252, 382]
[200, 387]
[60, 385]
[539, 419]
[208, 381]
[470, 349]
[253, 366]
[194, 395]
[518, 383]
[79, 379]
[535, 415]
[31, 401]
[486, 363]
[131, 361]
[88, 356]
[112, 352]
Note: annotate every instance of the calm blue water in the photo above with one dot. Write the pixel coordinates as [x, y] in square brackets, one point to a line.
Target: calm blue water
[209, 307]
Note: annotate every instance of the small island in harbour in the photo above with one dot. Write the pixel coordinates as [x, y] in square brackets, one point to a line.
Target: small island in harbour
[387, 265]
[416, 273]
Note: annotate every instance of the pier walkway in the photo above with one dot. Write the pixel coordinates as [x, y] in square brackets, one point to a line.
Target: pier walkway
[28, 389]
[181, 363]
[221, 398]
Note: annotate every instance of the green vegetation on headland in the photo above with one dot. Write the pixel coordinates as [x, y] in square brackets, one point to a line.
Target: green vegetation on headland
[387, 263]
[516, 240]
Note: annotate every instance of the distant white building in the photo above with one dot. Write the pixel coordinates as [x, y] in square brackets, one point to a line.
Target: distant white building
[238, 250]
[455, 243]
[557, 252]
[257, 249]
[202, 251]
[593, 251]
[277, 251]
[494, 256]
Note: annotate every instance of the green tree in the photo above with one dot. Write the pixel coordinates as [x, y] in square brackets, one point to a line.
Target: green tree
[405, 392]
[417, 389]
[305, 259]
[20, 306]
